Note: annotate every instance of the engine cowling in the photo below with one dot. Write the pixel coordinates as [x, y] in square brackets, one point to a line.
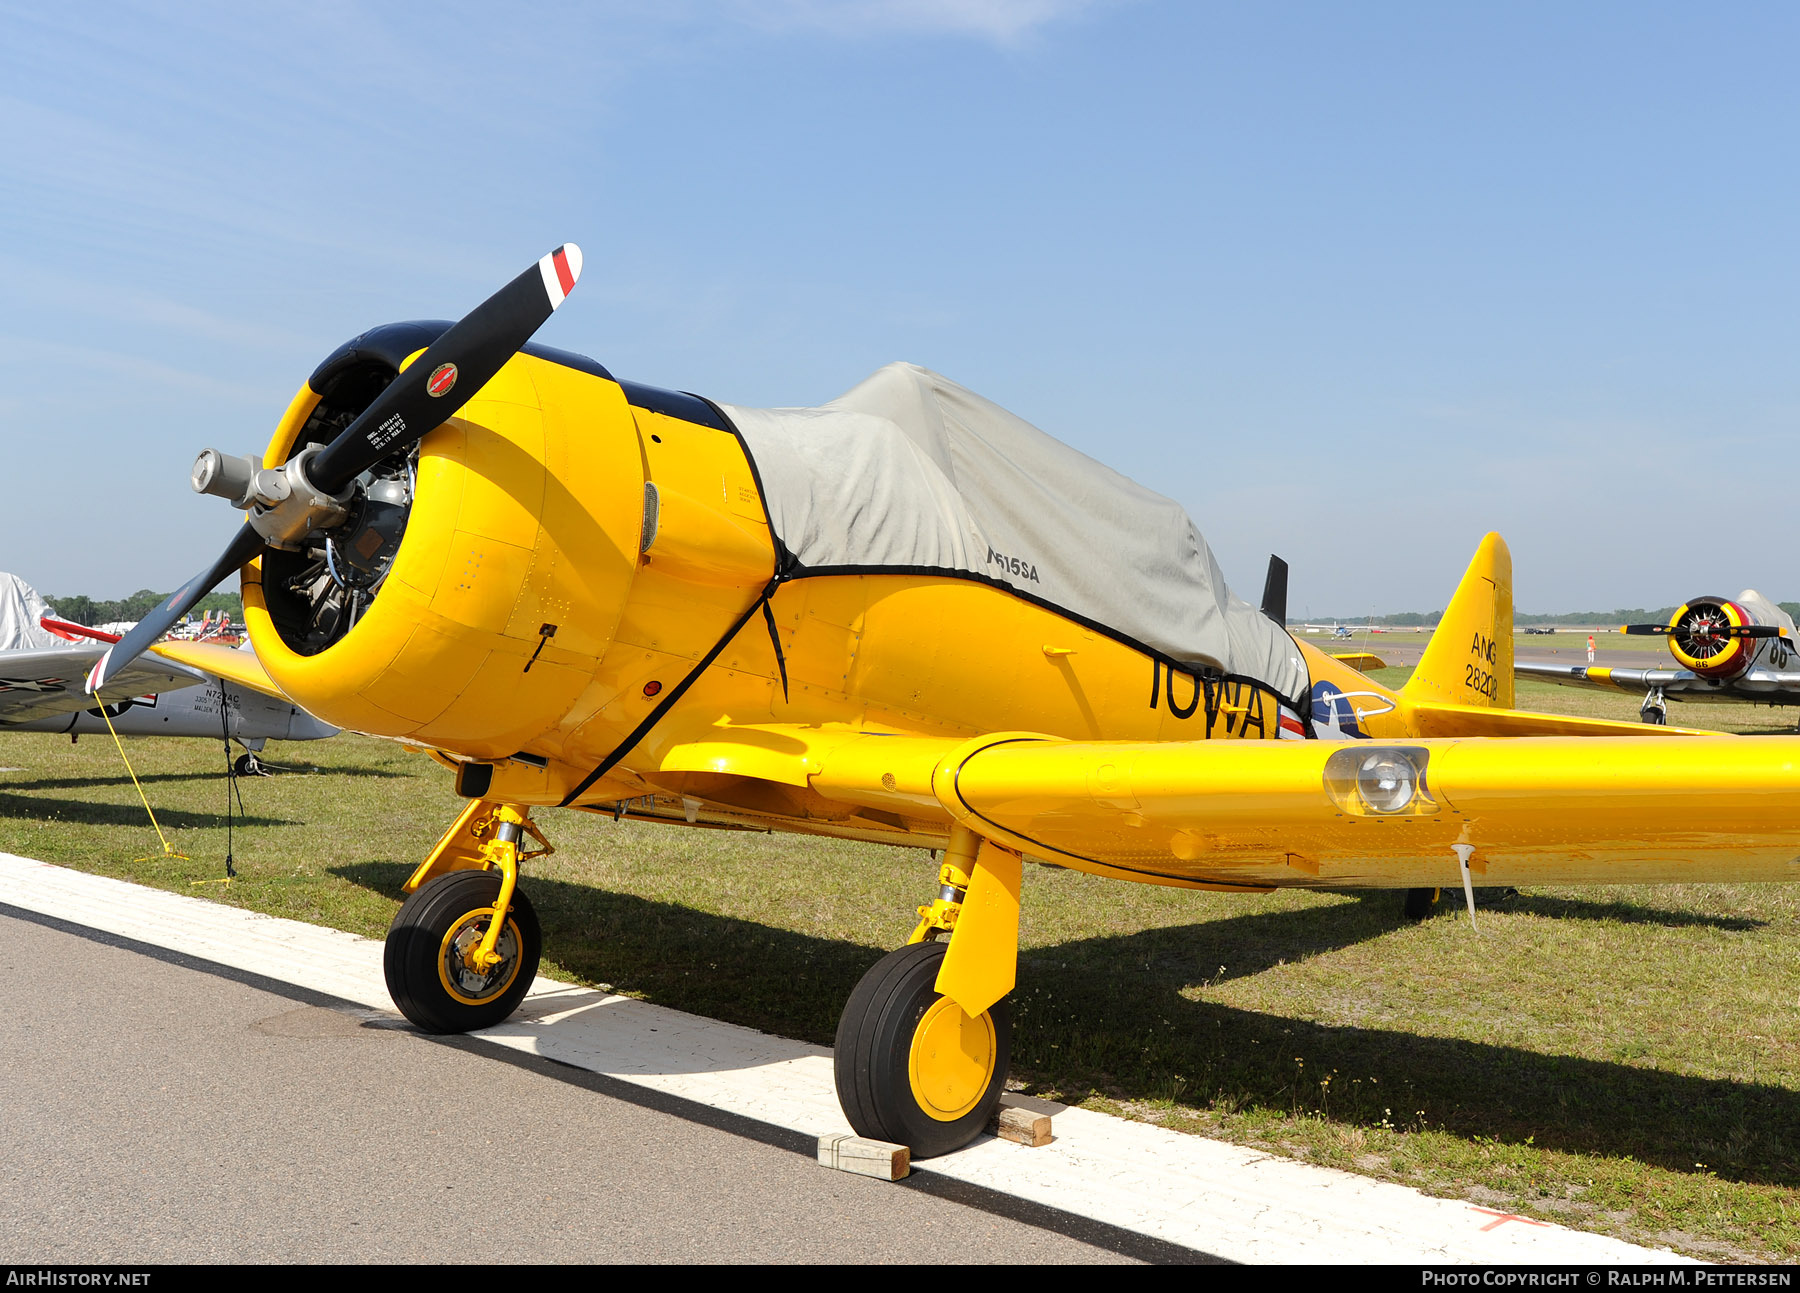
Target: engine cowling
[1701, 637]
[469, 603]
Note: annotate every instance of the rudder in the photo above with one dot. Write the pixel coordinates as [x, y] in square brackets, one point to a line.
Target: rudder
[1469, 660]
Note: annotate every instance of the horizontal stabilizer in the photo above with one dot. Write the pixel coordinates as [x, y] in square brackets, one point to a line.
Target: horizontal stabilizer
[1433, 719]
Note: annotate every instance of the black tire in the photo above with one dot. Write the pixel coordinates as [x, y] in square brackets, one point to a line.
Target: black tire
[1419, 903]
[1654, 717]
[875, 1043]
[417, 958]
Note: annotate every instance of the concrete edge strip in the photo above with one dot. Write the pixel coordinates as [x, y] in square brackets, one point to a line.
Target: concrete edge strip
[1207, 1196]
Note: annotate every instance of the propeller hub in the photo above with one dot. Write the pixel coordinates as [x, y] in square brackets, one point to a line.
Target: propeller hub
[1713, 637]
[316, 489]
[226, 477]
[285, 506]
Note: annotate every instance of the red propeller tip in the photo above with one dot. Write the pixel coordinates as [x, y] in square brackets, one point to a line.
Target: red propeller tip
[560, 270]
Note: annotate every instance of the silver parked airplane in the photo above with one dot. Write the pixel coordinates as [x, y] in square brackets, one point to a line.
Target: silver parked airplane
[1741, 649]
[43, 661]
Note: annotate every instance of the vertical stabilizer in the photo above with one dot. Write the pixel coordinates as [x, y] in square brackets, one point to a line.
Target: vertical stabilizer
[1274, 602]
[1469, 660]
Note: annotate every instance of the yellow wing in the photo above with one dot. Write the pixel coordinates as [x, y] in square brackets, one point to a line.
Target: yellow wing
[229, 663]
[1255, 814]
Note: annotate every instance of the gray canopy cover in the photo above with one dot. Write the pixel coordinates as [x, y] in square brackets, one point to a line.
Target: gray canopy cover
[910, 472]
[20, 610]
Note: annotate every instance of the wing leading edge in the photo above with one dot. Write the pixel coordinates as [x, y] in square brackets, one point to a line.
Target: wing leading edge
[43, 682]
[229, 663]
[1770, 686]
[1375, 814]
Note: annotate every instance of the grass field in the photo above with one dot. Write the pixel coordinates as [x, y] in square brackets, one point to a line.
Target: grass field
[1624, 1060]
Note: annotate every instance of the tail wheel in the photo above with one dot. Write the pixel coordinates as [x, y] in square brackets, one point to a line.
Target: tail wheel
[912, 1067]
[426, 959]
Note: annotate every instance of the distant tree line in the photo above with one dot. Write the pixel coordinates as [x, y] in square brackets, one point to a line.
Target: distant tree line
[1635, 615]
[86, 610]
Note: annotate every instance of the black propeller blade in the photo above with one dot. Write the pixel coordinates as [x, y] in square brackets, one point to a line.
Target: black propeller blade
[457, 364]
[245, 544]
[431, 390]
[1723, 630]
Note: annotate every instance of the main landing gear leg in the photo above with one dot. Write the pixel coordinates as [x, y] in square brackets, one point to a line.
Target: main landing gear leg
[923, 1042]
[464, 947]
[1655, 710]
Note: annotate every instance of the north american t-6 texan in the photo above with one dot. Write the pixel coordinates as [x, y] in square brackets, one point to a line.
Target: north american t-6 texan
[1725, 649]
[906, 616]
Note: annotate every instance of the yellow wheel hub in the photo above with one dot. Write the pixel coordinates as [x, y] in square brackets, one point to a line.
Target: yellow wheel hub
[464, 981]
[952, 1060]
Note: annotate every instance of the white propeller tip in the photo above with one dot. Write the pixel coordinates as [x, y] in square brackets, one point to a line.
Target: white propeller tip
[560, 269]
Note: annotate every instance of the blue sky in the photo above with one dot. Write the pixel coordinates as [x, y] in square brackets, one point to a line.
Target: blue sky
[1354, 283]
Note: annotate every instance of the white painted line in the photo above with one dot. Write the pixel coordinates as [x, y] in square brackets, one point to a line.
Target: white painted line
[1206, 1195]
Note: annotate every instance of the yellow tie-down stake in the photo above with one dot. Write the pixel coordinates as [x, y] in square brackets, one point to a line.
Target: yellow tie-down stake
[978, 906]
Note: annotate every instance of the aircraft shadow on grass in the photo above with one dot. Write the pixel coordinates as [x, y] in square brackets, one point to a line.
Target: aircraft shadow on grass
[1108, 1014]
[151, 778]
[1625, 913]
[123, 779]
[87, 813]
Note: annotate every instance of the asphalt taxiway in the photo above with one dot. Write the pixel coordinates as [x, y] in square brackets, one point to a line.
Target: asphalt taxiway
[163, 1112]
[1403, 651]
[191, 1081]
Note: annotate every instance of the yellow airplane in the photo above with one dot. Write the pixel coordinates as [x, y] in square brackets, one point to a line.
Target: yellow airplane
[906, 617]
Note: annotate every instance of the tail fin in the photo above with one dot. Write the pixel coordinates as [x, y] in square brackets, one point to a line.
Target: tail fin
[1469, 660]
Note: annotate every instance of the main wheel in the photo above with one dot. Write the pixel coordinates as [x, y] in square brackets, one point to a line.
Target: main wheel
[1655, 717]
[1419, 903]
[912, 1067]
[432, 934]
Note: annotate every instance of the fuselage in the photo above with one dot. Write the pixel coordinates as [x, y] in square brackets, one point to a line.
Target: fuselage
[250, 717]
[585, 607]
[576, 616]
